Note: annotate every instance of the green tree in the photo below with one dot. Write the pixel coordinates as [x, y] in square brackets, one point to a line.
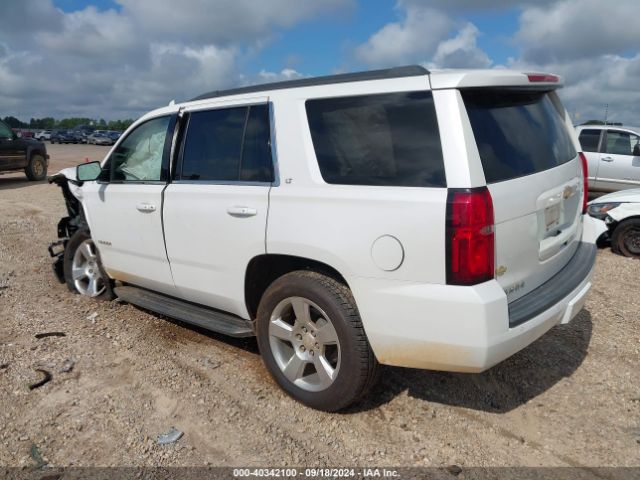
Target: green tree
[13, 122]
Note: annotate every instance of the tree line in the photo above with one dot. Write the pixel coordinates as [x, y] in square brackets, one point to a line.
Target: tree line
[50, 123]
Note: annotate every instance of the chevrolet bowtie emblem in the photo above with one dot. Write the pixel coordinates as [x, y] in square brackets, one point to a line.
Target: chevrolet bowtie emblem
[568, 191]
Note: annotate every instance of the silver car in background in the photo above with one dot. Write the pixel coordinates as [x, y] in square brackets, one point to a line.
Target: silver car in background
[613, 156]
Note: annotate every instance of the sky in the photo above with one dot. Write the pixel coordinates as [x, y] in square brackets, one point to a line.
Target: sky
[117, 59]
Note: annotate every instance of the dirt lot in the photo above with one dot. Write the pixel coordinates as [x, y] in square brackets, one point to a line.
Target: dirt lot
[570, 399]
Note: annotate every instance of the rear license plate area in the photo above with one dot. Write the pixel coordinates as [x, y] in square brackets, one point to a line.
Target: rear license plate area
[552, 216]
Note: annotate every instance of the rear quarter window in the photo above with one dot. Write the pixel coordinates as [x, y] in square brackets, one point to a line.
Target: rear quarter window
[589, 140]
[518, 133]
[387, 140]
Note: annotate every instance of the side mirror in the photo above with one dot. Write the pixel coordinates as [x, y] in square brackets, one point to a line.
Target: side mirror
[636, 150]
[87, 172]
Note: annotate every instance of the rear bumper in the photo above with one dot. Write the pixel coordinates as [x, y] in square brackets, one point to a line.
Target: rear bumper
[556, 288]
[465, 329]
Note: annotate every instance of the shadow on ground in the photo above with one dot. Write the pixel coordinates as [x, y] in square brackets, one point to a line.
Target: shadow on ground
[508, 385]
[9, 183]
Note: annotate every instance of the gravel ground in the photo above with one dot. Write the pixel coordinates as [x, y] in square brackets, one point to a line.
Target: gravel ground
[570, 399]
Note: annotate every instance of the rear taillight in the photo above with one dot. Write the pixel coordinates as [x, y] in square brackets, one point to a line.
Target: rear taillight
[585, 179]
[470, 236]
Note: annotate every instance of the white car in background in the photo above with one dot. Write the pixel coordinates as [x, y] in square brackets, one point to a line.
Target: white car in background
[621, 213]
[613, 155]
[43, 135]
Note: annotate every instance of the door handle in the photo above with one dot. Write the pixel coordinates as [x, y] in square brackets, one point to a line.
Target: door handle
[146, 207]
[607, 159]
[242, 212]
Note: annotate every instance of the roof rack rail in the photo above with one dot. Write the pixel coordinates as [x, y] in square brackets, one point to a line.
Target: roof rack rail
[408, 71]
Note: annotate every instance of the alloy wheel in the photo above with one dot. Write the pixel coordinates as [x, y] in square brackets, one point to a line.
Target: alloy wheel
[304, 344]
[85, 271]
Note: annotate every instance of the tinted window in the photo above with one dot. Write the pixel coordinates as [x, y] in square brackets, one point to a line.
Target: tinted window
[256, 164]
[389, 139]
[212, 145]
[620, 143]
[228, 145]
[140, 156]
[517, 133]
[589, 140]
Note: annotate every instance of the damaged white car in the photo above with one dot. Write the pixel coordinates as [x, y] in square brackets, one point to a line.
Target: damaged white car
[621, 213]
[431, 220]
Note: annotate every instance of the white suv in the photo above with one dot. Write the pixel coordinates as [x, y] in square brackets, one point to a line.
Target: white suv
[421, 219]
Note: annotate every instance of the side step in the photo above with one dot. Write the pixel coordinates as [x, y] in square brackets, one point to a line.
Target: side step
[204, 317]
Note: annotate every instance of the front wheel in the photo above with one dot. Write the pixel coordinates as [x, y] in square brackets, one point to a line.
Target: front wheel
[626, 238]
[312, 341]
[83, 270]
[37, 168]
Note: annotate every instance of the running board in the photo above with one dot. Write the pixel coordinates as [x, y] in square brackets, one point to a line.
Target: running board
[204, 317]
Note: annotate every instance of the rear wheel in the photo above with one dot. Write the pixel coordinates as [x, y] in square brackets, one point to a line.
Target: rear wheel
[626, 238]
[83, 270]
[37, 168]
[312, 341]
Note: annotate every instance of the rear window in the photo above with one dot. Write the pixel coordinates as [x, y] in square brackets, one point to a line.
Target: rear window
[390, 140]
[517, 133]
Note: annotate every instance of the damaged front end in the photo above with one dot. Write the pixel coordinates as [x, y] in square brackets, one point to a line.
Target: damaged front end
[67, 226]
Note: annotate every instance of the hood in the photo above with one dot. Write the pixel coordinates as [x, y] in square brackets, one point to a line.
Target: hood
[68, 177]
[31, 141]
[68, 173]
[632, 195]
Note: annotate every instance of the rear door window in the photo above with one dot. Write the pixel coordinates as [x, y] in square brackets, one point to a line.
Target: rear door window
[517, 133]
[390, 140]
[620, 143]
[589, 140]
[228, 145]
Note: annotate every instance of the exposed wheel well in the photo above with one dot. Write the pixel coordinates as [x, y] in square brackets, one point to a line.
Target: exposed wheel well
[35, 152]
[264, 269]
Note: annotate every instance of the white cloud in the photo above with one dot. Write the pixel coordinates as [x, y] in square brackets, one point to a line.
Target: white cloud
[123, 62]
[284, 75]
[223, 21]
[413, 39]
[424, 35]
[572, 29]
[461, 51]
[594, 46]
[592, 83]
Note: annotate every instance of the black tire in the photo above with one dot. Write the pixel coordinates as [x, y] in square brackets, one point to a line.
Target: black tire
[73, 244]
[36, 170]
[358, 366]
[626, 238]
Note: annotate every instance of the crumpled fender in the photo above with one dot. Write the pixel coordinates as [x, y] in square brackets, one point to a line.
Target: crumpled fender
[68, 176]
[624, 210]
[592, 228]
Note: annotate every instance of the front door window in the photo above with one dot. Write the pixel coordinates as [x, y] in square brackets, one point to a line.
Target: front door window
[139, 157]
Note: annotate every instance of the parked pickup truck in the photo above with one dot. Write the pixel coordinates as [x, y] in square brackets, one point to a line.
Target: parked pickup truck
[22, 154]
[613, 156]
